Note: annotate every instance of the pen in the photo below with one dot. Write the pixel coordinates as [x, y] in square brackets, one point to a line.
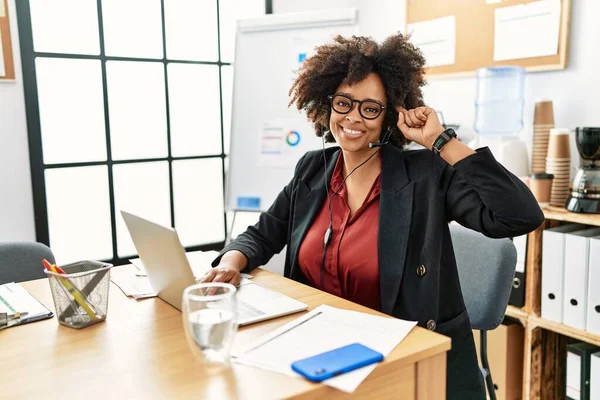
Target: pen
[87, 289]
[74, 307]
[5, 318]
[79, 298]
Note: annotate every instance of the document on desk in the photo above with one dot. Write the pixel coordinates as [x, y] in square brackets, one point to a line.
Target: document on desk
[15, 299]
[325, 328]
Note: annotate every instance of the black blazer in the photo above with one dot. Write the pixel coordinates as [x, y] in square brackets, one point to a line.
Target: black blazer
[420, 194]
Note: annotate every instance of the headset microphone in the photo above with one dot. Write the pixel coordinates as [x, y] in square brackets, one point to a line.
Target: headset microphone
[386, 139]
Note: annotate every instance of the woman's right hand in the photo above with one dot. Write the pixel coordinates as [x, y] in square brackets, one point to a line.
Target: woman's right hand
[223, 273]
[228, 270]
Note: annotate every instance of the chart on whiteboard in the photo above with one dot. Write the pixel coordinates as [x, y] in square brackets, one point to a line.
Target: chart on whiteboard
[284, 141]
[300, 48]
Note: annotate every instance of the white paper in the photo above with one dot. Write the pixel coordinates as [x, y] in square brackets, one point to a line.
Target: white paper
[131, 285]
[2, 9]
[2, 70]
[325, 328]
[437, 40]
[573, 376]
[527, 30]
[283, 141]
[14, 298]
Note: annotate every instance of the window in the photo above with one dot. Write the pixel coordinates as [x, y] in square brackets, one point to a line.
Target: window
[128, 107]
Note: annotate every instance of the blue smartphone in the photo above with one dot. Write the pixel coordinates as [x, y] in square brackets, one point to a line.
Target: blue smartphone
[335, 362]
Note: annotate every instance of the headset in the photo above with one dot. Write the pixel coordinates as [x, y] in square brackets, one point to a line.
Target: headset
[329, 230]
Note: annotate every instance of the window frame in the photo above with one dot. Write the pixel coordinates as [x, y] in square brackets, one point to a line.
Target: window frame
[38, 167]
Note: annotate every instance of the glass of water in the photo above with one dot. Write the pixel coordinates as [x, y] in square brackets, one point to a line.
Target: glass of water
[209, 319]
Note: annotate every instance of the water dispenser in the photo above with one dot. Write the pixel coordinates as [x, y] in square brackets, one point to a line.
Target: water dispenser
[499, 102]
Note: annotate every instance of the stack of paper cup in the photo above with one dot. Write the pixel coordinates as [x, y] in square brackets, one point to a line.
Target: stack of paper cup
[543, 121]
[558, 163]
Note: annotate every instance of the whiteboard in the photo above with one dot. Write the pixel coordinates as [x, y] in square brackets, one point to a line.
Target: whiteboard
[267, 137]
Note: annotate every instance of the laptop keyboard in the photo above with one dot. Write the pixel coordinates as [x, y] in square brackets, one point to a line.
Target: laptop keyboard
[246, 311]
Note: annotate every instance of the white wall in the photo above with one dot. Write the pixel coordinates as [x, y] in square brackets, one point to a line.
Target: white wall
[575, 91]
[16, 201]
[376, 18]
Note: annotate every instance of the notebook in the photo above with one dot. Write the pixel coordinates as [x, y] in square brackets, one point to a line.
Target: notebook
[15, 299]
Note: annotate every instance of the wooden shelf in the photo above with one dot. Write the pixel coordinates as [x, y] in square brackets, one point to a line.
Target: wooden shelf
[566, 330]
[517, 313]
[561, 214]
[545, 341]
[533, 321]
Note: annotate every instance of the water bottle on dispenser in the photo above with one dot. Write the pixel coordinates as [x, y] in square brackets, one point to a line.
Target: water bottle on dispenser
[499, 105]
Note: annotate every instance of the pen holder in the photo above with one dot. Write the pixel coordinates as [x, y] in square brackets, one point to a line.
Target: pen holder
[81, 294]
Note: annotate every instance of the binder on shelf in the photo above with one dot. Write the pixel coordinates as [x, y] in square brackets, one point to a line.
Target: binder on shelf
[553, 257]
[517, 294]
[577, 251]
[595, 376]
[578, 370]
[593, 304]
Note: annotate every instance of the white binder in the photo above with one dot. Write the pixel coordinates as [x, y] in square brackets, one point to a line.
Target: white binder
[593, 309]
[595, 376]
[517, 293]
[553, 255]
[520, 243]
[577, 251]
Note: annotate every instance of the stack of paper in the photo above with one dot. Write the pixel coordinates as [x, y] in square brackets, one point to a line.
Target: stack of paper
[138, 286]
[325, 328]
[15, 299]
[131, 284]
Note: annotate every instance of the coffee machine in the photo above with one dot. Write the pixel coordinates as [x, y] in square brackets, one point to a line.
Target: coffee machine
[585, 188]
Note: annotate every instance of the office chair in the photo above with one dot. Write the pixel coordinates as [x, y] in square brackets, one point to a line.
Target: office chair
[22, 261]
[486, 268]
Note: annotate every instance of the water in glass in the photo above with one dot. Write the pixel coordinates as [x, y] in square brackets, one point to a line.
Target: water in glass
[209, 312]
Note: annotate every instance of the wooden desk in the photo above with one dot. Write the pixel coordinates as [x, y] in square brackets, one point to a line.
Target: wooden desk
[140, 351]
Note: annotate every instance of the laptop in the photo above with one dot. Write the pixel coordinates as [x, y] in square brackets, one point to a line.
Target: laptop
[169, 272]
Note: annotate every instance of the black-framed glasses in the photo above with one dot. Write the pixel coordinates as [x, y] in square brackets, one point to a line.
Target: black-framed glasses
[368, 109]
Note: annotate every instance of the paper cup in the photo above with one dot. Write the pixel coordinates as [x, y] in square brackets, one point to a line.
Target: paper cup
[544, 113]
[559, 146]
[541, 185]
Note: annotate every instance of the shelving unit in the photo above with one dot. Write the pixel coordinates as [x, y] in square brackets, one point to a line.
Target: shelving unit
[561, 214]
[517, 313]
[545, 341]
[565, 330]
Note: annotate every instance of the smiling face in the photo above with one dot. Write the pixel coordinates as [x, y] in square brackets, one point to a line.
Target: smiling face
[352, 131]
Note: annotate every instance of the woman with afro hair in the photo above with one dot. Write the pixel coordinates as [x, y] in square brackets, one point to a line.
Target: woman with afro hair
[367, 220]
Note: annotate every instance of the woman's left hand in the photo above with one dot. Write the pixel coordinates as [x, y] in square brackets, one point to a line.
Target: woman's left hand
[420, 125]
